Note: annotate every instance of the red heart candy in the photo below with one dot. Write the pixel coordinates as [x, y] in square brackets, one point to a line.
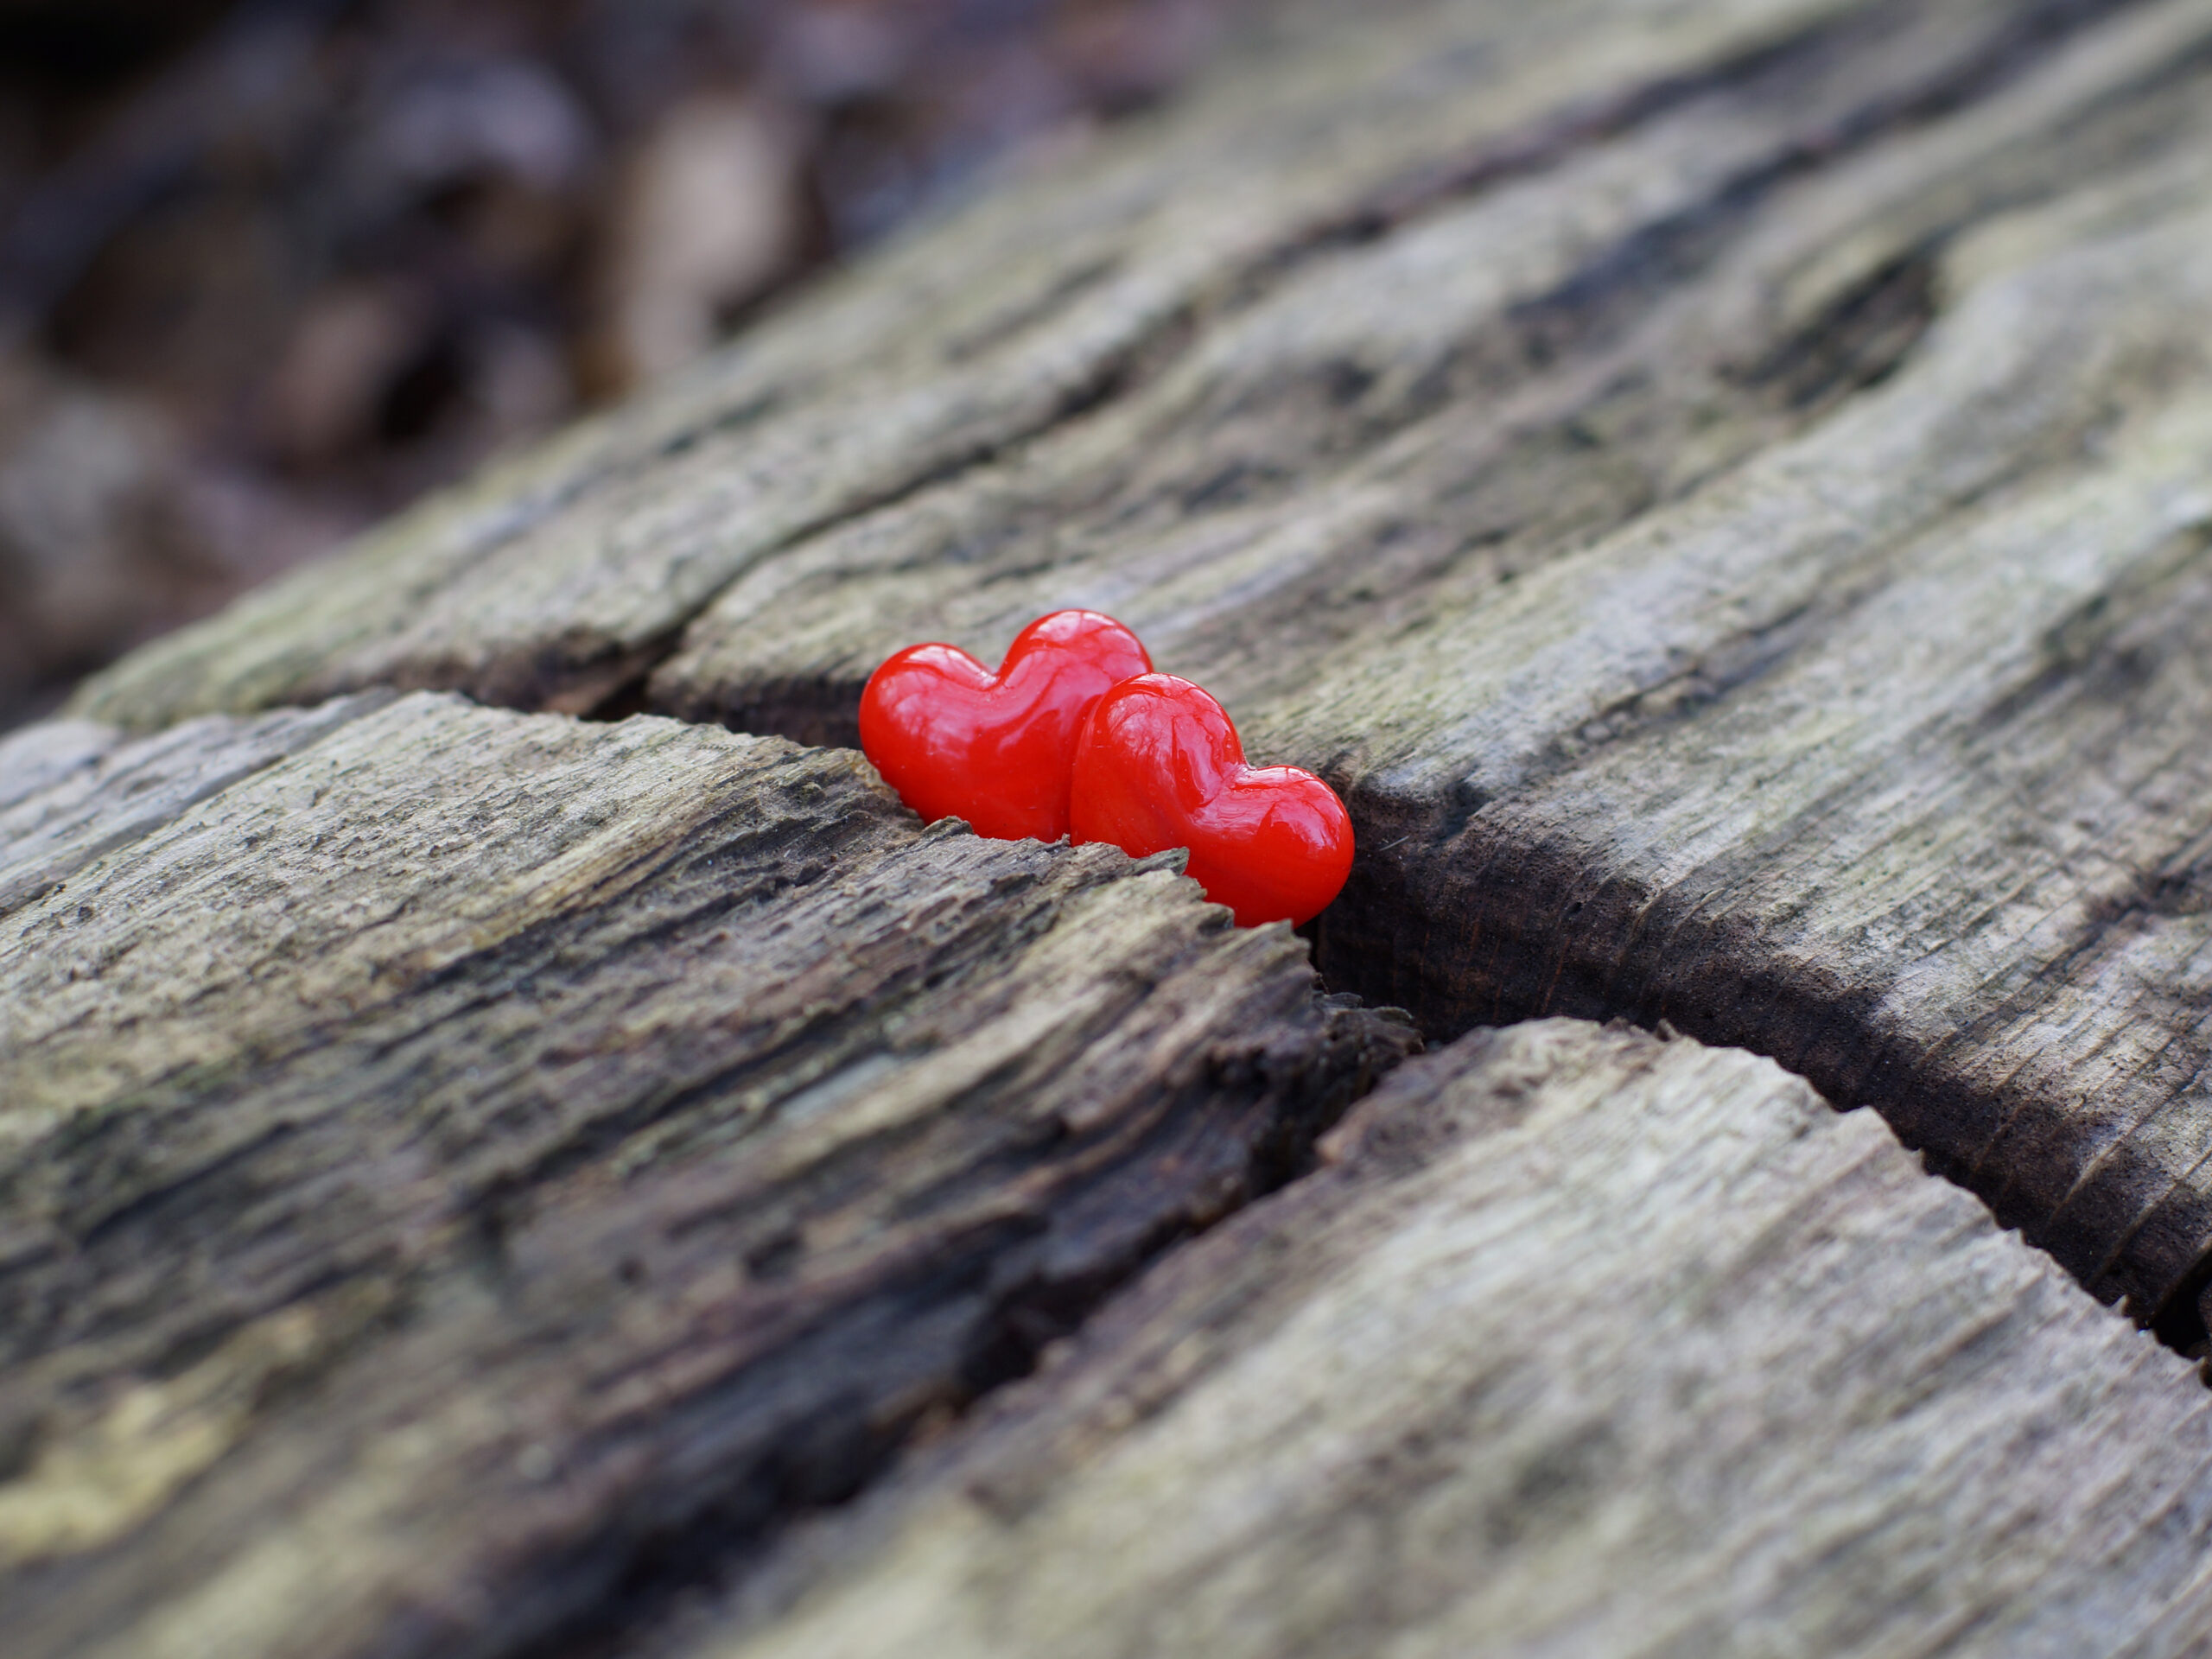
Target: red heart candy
[956, 741]
[1159, 765]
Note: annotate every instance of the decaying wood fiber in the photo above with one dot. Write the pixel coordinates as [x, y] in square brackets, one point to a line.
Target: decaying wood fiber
[1725, 490]
[476, 1146]
[1587, 1343]
[71, 790]
[1671, 670]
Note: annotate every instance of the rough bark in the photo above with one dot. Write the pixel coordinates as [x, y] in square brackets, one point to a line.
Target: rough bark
[1586, 1344]
[447, 1168]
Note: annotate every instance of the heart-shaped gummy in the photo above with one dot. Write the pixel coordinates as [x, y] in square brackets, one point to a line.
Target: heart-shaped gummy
[956, 741]
[1159, 765]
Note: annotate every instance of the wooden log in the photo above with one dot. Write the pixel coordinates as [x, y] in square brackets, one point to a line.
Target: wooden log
[452, 1163]
[551, 582]
[1722, 491]
[1672, 670]
[1585, 1343]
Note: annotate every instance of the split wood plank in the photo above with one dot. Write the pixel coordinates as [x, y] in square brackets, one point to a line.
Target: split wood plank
[462, 1156]
[1587, 1343]
[1725, 488]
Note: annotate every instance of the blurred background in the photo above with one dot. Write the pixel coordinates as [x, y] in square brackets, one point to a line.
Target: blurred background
[269, 270]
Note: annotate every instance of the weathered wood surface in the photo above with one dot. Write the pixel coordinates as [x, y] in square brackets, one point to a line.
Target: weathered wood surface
[1586, 1343]
[1724, 490]
[549, 582]
[1670, 672]
[445, 1165]
[70, 791]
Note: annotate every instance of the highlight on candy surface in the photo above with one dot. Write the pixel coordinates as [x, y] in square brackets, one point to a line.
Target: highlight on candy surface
[1160, 765]
[956, 741]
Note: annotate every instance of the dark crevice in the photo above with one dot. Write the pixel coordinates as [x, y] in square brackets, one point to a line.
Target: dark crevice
[1860, 341]
[1467, 924]
[1032, 1303]
[625, 700]
[826, 714]
[1445, 916]
[2181, 1323]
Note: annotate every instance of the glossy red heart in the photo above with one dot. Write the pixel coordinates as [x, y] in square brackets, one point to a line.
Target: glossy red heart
[1160, 765]
[957, 741]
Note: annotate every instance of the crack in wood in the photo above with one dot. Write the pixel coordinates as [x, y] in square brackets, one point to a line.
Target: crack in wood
[1480, 1386]
[583, 1146]
[1722, 494]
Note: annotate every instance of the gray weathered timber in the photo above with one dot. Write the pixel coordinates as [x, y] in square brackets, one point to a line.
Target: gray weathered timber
[1671, 670]
[452, 1164]
[1724, 486]
[1725, 490]
[552, 581]
[1587, 1345]
[70, 791]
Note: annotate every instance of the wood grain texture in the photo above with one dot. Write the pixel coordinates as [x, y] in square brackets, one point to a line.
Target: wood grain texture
[70, 791]
[1586, 1343]
[451, 1166]
[1769, 596]
[1724, 489]
[549, 582]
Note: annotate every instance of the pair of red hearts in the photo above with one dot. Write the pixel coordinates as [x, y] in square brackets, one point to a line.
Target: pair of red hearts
[1074, 735]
